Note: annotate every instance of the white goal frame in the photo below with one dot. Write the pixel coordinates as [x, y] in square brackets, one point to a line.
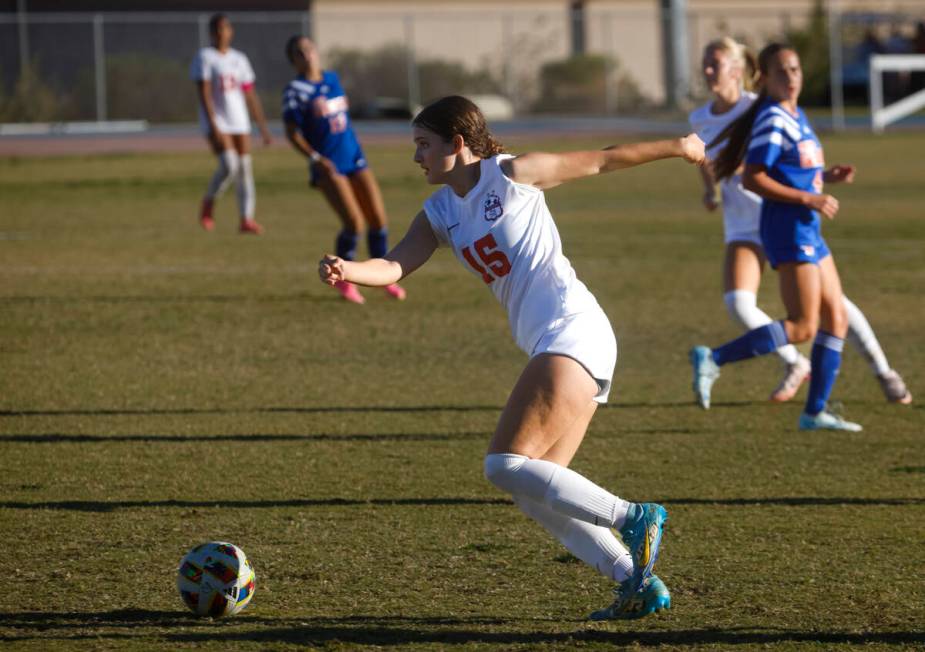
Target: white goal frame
[881, 115]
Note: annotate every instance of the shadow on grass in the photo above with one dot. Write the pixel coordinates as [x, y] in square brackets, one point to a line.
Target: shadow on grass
[322, 409]
[56, 438]
[110, 506]
[405, 631]
[113, 505]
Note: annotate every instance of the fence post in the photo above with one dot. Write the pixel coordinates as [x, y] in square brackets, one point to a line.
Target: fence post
[23, 32]
[507, 41]
[414, 83]
[610, 67]
[835, 66]
[203, 21]
[99, 60]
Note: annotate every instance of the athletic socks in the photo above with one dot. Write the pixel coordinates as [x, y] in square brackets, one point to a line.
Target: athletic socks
[862, 337]
[557, 487]
[826, 359]
[228, 164]
[346, 245]
[245, 190]
[758, 341]
[595, 545]
[377, 240]
[742, 306]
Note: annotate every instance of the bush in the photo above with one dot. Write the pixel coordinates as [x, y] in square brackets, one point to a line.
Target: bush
[141, 86]
[579, 85]
[32, 100]
[367, 75]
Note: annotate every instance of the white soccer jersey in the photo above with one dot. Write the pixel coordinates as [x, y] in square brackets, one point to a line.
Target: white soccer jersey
[503, 233]
[230, 74]
[741, 207]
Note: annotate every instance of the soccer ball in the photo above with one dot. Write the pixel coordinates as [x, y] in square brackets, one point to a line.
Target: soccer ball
[215, 579]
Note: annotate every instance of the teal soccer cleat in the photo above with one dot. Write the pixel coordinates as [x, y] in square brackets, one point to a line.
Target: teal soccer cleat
[643, 536]
[827, 421]
[651, 597]
[705, 374]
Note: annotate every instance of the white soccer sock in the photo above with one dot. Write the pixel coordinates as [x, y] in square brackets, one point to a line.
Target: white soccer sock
[228, 164]
[862, 337]
[742, 306]
[247, 193]
[557, 487]
[593, 544]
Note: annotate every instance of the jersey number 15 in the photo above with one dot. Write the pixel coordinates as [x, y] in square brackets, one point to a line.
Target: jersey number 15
[487, 249]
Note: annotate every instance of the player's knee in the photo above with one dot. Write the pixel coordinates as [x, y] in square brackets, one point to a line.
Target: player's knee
[501, 469]
[835, 320]
[804, 329]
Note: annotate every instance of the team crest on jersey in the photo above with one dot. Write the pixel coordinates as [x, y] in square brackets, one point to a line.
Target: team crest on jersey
[493, 207]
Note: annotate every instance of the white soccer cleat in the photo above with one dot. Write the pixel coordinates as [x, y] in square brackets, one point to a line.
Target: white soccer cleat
[827, 421]
[894, 388]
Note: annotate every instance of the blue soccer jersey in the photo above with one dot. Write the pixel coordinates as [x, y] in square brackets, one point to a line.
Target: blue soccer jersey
[320, 111]
[787, 147]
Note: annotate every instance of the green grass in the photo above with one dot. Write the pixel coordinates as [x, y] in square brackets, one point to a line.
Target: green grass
[160, 386]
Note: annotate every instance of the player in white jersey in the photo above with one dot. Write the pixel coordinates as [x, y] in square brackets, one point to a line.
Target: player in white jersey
[225, 89]
[729, 71]
[492, 213]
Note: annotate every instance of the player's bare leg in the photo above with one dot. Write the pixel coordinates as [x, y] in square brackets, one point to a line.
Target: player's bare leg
[369, 196]
[541, 426]
[742, 270]
[338, 192]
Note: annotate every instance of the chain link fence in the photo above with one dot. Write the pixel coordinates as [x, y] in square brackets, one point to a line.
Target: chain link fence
[127, 66]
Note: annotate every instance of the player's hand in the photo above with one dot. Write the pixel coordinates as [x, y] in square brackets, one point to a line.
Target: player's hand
[825, 204]
[266, 136]
[331, 269]
[839, 174]
[325, 167]
[709, 200]
[693, 149]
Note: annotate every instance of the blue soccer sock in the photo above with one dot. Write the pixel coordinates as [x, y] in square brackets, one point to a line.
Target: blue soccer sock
[378, 242]
[826, 359]
[755, 342]
[346, 245]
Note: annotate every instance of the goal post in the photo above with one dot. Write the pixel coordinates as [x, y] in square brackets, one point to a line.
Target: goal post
[881, 115]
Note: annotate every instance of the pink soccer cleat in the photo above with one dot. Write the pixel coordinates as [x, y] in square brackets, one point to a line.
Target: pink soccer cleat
[395, 291]
[205, 215]
[349, 292]
[794, 376]
[251, 227]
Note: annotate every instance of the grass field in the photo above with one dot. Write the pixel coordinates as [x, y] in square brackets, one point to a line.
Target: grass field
[161, 386]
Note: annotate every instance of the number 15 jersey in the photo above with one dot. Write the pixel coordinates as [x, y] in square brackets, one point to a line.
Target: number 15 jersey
[502, 232]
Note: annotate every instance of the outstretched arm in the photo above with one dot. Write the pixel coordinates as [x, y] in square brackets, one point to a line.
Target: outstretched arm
[545, 170]
[414, 250]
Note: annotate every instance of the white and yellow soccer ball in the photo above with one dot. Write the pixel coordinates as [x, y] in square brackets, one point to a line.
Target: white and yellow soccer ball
[215, 579]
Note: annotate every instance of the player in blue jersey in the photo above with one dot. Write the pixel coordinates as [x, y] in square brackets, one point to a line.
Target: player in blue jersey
[728, 71]
[784, 165]
[318, 126]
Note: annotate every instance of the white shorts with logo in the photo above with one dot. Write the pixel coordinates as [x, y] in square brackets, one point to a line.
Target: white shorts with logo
[587, 338]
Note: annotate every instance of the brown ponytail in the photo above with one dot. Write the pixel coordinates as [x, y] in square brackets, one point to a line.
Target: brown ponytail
[739, 130]
[455, 115]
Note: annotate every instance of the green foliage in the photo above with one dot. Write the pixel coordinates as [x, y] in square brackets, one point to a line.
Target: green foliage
[383, 72]
[141, 87]
[33, 100]
[812, 44]
[578, 84]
